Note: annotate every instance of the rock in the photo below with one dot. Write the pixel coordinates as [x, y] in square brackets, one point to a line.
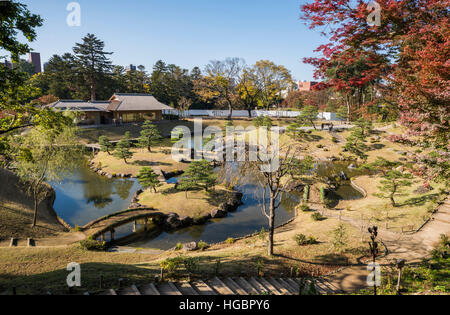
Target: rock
[202, 220]
[190, 247]
[218, 214]
[135, 206]
[186, 221]
[400, 169]
[352, 167]
[110, 176]
[377, 138]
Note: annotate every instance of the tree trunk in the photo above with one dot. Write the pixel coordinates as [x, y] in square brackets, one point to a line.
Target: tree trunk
[35, 199]
[249, 113]
[348, 111]
[92, 90]
[271, 226]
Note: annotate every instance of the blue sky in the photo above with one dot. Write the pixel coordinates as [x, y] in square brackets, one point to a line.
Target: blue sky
[185, 32]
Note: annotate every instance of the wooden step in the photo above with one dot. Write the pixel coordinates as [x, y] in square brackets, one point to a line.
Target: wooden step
[286, 285]
[203, 289]
[186, 289]
[269, 286]
[127, 291]
[220, 287]
[294, 284]
[258, 286]
[150, 289]
[168, 289]
[332, 287]
[247, 286]
[109, 292]
[279, 287]
[235, 287]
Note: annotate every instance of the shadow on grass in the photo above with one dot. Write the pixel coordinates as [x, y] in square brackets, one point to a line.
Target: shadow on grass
[420, 201]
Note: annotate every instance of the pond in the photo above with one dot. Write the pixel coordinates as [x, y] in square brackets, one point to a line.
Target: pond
[85, 196]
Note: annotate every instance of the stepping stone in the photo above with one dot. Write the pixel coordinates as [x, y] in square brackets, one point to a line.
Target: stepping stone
[235, 287]
[269, 286]
[31, 242]
[150, 290]
[203, 288]
[220, 287]
[247, 286]
[13, 242]
[186, 289]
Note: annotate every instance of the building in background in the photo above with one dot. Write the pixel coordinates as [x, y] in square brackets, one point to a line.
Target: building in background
[35, 59]
[131, 68]
[121, 108]
[306, 86]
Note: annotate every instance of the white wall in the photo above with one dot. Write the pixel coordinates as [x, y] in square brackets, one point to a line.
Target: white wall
[244, 114]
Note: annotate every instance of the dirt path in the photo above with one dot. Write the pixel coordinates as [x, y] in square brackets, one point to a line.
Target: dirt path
[412, 248]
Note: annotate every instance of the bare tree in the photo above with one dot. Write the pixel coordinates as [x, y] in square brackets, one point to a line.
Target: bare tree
[277, 180]
[222, 80]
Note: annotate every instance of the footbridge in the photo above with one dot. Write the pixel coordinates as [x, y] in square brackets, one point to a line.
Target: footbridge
[108, 224]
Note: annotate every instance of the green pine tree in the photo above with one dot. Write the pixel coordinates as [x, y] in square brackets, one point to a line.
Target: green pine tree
[307, 117]
[150, 136]
[199, 175]
[356, 143]
[123, 149]
[91, 62]
[392, 184]
[105, 144]
[149, 179]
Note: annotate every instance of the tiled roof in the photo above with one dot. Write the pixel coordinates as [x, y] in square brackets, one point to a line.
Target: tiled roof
[76, 105]
[135, 102]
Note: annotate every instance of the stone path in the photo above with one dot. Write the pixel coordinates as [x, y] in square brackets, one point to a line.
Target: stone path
[413, 248]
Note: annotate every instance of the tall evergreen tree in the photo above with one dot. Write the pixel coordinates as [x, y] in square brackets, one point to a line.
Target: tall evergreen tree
[150, 136]
[91, 62]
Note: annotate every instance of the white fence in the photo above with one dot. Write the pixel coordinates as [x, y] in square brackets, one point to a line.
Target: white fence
[245, 114]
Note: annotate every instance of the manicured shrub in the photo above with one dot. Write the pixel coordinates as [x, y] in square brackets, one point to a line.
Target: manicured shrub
[317, 216]
[179, 246]
[304, 207]
[93, 245]
[230, 241]
[303, 240]
[171, 265]
[202, 245]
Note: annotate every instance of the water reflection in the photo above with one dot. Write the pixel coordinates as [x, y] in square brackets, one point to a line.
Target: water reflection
[85, 196]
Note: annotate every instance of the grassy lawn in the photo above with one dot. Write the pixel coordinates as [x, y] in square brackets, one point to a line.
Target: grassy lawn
[197, 203]
[158, 158]
[413, 210]
[39, 270]
[16, 212]
[115, 133]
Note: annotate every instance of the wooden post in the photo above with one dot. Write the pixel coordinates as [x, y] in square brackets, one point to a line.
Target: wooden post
[145, 224]
[101, 281]
[135, 227]
[112, 234]
[120, 283]
[103, 237]
[161, 277]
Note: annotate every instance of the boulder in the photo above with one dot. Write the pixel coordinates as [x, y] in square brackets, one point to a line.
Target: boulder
[190, 247]
[218, 214]
[352, 167]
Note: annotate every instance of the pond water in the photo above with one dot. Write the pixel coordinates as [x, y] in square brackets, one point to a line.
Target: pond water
[85, 196]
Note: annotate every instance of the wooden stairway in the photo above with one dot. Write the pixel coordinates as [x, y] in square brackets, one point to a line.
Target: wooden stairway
[228, 286]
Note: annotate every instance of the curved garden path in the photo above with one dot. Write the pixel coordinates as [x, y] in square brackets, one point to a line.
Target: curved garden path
[412, 248]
